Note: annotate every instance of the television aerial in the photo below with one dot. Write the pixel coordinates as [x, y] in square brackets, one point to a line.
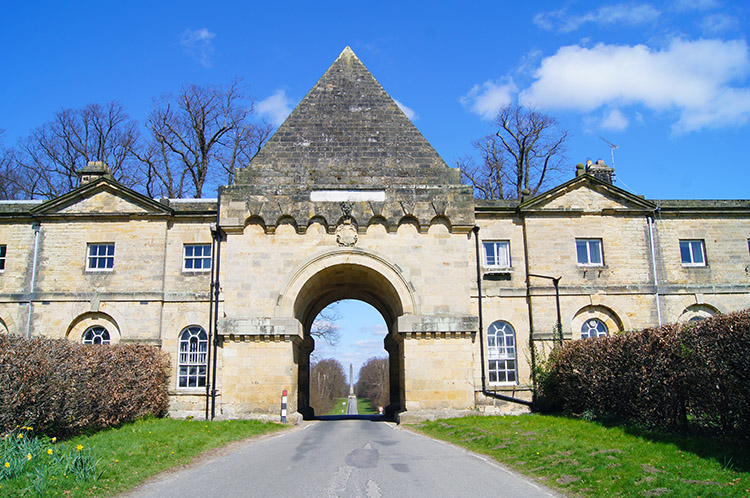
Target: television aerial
[612, 148]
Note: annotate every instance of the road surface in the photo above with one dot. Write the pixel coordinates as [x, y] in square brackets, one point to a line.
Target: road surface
[346, 458]
[351, 405]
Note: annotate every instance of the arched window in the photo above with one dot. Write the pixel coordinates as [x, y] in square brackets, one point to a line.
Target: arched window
[501, 352]
[593, 327]
[96, 335]
[193, 357]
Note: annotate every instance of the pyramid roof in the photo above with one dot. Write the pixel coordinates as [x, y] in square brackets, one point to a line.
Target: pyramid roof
[348, 133]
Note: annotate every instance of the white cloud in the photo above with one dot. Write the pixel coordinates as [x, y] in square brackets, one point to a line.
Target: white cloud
[718, 23]
[376, 329]
[198, 44]
[486, 99]
[688, 5]
[693, 78]
[406, 110]
[624, 14]
[614, 120]
[276, 107]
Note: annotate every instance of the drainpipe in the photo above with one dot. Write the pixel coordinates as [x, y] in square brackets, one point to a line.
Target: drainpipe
[485, 392]
[210, 318]
[653, 265]
[36, 227]
[217, 290]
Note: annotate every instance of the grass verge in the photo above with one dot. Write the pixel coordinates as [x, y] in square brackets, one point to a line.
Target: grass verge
[589, 459]
[365, 407]
[128, 455]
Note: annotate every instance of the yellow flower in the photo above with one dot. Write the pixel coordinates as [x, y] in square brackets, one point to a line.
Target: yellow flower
[117, 461]
[79, 447]
[49, 451]
[7, 464]
[28, 456]
[20, 436]
[29, 428]
[54, 440]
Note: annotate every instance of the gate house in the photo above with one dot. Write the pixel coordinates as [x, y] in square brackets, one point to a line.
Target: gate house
[348, 201]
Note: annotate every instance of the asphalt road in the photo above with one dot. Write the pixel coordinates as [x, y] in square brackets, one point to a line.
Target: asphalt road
[347, 458]
[351, 405]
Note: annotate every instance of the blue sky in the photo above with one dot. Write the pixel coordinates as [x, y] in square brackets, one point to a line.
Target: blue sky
[669, 82]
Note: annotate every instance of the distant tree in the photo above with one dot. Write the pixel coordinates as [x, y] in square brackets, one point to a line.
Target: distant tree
[525, 152]
[203, 133]
[327, 382]
[373, 382]
[49, 159]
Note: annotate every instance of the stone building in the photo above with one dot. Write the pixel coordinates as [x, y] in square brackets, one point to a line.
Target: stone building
[349, 201]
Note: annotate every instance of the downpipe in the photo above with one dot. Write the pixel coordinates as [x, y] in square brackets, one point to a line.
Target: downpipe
[485, 392]
[36, 227]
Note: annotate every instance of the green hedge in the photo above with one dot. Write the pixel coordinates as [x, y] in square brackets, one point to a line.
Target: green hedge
[63, 388]
[675, 376]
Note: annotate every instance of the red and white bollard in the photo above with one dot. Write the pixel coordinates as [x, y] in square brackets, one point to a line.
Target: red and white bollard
[283, 407]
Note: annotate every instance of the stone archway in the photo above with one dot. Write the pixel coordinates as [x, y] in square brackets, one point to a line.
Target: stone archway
[348, 274]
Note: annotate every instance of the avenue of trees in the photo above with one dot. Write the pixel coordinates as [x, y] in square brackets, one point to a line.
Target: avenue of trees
[200, 135]
[524, 155]
[373, 382]
[327, 383]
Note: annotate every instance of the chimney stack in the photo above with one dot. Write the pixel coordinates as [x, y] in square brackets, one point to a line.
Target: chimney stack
[93, 171]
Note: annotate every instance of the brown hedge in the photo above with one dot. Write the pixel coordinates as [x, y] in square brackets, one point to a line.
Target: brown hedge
[676, 376]
[63, 388]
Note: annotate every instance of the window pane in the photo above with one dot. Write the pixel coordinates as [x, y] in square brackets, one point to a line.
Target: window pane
[685, 251]
[595, 252]
[582, 252]
[697, 247]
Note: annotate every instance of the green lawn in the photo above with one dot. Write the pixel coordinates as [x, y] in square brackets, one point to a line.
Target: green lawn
[364, 407]
[589, 459]
[128, 455]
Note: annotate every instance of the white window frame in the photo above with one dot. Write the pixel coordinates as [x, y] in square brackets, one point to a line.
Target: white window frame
[501, 354]
[690, 245]
[3, 255]
[493, 245]
[93, 255]
[594, 327]
[96, 335]
[192, 358]
[588, 243]
[193, 258]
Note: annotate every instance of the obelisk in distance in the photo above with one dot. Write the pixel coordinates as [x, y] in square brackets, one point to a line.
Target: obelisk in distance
[351, 380]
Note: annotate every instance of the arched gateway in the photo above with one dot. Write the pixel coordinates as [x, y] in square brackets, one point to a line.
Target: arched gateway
[346, 201]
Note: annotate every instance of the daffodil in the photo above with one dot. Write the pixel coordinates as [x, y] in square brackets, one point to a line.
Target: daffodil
[54, 440]
[20, 436]
[7, 464]
[28, 456]
[49, 451]
[79, 447]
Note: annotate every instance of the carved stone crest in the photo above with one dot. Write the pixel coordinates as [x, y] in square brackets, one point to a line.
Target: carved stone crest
[346, 234]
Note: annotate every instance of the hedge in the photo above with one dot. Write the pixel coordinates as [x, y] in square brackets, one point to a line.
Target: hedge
[675, 377]
[63, 388]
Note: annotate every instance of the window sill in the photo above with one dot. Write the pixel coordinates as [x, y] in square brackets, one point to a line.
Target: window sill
[91, 270]
[196, 272]
[688, 265]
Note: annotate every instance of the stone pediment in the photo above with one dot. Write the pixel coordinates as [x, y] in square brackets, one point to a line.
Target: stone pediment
[101, 197]
[586, 194]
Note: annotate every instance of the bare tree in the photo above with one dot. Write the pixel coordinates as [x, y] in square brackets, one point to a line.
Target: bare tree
[198, 135]
[324, 327]
[10, 179]
[373, 382]
[525, 152]
[327, 382]
[50, 158]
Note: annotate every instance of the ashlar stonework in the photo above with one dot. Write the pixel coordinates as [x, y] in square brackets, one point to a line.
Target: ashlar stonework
[347, 200]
